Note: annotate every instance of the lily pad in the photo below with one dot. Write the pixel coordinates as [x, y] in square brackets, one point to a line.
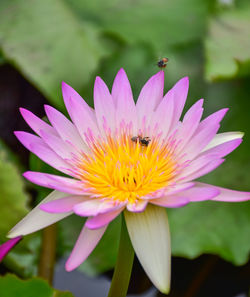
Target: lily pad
[11, 286]
[227, 45]
[212, 227]
[47, 43]
[159, 23]
[13, 199]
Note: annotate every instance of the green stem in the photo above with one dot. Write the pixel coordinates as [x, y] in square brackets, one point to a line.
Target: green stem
[124, 264]
[48, 254]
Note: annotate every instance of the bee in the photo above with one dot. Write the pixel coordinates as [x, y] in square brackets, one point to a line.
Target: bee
[144, 141]
[162, 63]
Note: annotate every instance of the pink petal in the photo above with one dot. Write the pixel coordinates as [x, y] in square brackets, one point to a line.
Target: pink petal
[86, 242]
[214, 118]
[223, 149]
[189, 124]
[104, 106]
[163, 115]
[62, 205]
[60, 183]
[199, 192]
[204, 134]
[51, 158]
[228, 195]
[6, 247]
[210, 166]
[102, 219]
[196, 165]
[61, 148]
[65, 128]
[68, 92]
[200, 140]
[179, 187]
[94, 207]
[27, 139]
[150, 96]
[35, 123]
[79, 111]
[170, 202]
[123, 99]
[38, 147]
[180, 90]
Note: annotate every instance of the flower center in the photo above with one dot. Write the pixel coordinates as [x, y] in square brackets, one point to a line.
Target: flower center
[127, 168]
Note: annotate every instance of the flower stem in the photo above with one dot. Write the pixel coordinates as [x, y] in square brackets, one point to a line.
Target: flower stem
[124, 264]
[48, 254]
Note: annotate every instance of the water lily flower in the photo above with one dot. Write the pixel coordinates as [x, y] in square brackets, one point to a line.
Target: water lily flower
[125, 157]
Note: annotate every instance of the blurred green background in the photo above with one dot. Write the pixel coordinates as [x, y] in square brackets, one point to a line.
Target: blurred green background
[51, 41]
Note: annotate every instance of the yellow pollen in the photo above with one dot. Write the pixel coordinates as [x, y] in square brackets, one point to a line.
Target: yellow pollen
[124, 170]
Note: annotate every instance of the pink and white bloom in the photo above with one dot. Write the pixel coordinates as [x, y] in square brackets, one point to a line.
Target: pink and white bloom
[112, 170]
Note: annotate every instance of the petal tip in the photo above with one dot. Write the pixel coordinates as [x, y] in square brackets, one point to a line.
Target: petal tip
[12, 233]
[99, 85]
[47, 107]
[164, 289]
[160, 75]
[225, 110]
[121, 71]
[64, 85]
[69, 267]
[121, 75]
[184, 81]
[241, 134]
[23, 110]
[27, 175]
[48, 110]
[16, 133]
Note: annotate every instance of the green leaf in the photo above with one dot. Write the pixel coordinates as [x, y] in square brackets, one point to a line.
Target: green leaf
[47, 43]
[227, 45]
[11, 286]
[212, 227]
[13, 199]
[13, 205]
[158, 23]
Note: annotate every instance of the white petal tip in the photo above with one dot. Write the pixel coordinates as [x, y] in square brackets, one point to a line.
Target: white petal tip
[13, 234]
[241, 134]
[164, 289]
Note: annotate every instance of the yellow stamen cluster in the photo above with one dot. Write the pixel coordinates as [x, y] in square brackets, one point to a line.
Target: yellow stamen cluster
[123, 170]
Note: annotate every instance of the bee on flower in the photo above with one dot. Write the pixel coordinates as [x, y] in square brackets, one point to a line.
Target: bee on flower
[138, 159]
[162, 63]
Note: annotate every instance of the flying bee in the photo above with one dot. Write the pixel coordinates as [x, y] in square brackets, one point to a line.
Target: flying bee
[144, 141]
[162, 63]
